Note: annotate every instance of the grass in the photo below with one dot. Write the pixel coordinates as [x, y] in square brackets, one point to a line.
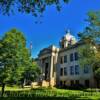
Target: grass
[15, 88]
[47, 94]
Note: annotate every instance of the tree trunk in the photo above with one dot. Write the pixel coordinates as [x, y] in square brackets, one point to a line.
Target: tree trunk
[3, 89]
[22, 84]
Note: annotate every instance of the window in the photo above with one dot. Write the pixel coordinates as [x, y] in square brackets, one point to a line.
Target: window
[64, 83]
[77, 69]
[65, 59]
[71, 57]
[61, 83]
[62, 45]
[76, 55]
[72, 70]
[77, 82]
[72, 82]
[61, 60]
[1, 65]
[61, 71]
[65, 71]
[86, 69]
[87, 83]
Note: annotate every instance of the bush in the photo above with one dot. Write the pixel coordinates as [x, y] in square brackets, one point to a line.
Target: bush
[75, 87]
[92, 90]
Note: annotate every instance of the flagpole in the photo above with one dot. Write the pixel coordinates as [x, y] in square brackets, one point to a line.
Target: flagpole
[31, 49]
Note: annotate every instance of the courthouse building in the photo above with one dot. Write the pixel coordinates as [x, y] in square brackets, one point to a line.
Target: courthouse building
[60, 66]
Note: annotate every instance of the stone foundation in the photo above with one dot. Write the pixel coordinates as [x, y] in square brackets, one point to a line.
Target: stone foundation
[45, 83]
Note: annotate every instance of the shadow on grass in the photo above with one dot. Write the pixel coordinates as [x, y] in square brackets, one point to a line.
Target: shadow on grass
[43, 95]
[43, 98]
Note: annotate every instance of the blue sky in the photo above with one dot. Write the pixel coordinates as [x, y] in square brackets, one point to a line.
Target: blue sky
[53, 24]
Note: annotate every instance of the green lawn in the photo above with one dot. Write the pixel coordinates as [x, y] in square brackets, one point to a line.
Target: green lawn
[48, 94]
[15, 88]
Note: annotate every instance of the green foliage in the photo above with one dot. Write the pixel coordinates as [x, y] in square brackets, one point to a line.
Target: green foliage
[90, 52]
[12, 55]
[91, 33]
[97, 73]
[28, 6]
[87, 55]
[31, 73]
[15, 57]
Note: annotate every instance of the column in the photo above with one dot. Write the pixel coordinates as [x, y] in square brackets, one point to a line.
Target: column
[51, 70]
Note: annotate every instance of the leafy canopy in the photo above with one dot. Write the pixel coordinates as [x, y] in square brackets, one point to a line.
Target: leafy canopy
[28, 6]
[14, 57]
[90, 53]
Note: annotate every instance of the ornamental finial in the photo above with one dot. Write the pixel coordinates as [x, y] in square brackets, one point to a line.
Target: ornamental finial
[68, 31]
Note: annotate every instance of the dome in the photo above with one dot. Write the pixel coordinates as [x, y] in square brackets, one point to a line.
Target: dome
[67, 39]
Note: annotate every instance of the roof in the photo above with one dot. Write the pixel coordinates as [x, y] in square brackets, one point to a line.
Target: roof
[72, 46]
[49, 49]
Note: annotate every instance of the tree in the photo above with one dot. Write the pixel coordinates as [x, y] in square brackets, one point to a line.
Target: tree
[14, 57]
[28, 6]
[30, 74]
[90, 52]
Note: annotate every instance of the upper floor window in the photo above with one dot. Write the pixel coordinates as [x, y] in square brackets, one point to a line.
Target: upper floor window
[65, 58]
[76, 69]
[71, 57]
[61, 71]
[72, 70]
[61, 60]
[76, 55]
[65, 71]
[86, 69]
